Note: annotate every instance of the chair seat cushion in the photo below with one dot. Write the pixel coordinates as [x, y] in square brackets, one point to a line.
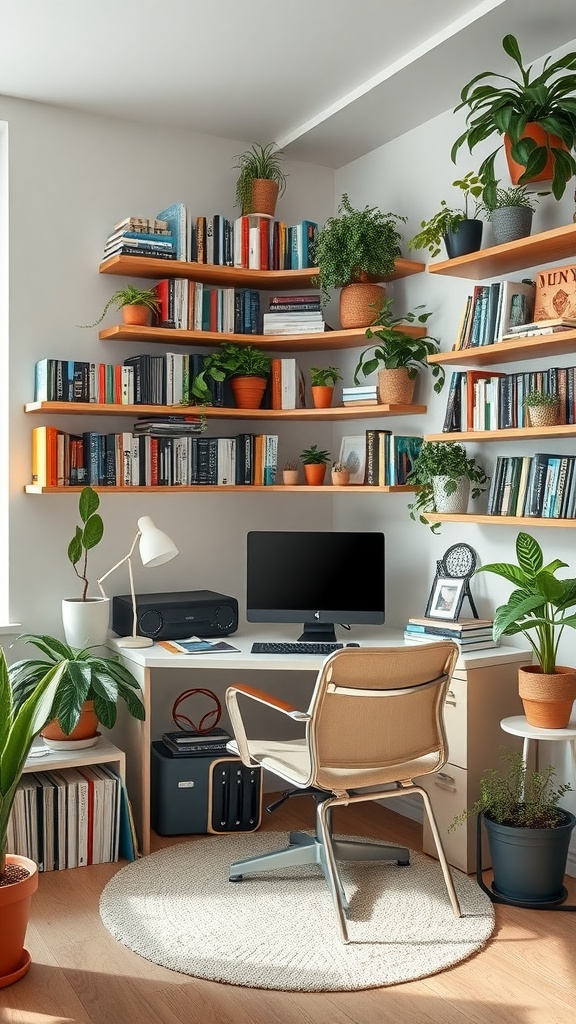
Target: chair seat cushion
[287, 758]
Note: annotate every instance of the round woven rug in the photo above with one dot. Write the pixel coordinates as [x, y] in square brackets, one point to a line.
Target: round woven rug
[279, 930]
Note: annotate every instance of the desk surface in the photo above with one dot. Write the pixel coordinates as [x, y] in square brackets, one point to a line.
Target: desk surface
[157, 657]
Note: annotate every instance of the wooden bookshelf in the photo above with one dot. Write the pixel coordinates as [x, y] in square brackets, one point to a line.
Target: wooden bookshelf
[507, 434]
[537, 347]
[524, 521]
[558, 244]
[232, 489]
[218, 413]
[277, 342]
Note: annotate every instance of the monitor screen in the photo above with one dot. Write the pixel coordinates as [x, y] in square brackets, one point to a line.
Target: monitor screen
[318, 578]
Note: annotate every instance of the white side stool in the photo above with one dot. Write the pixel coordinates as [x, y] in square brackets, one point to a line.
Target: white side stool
[518, 726]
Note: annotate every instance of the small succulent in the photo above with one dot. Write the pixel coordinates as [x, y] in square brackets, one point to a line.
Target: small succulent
[340, 467]
[291, 464]
[313, 456]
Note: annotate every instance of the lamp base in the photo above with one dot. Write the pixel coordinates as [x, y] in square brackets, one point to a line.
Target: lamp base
[134, 641]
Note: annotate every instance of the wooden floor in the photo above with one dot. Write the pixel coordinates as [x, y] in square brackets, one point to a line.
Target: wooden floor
[81, 975]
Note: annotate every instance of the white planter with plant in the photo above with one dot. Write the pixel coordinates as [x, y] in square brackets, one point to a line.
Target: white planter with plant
[538, 609]
[85, 619]
[438, 471]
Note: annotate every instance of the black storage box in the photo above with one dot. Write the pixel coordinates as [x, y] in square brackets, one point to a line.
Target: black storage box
[203, 794]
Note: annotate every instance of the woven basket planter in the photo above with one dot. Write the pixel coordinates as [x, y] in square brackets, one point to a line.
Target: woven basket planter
[547, 698]
[359, 304]
[543, 415]
[395, 387]
[264, 197]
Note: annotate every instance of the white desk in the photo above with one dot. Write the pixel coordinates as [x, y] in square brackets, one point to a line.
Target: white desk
[149, 663]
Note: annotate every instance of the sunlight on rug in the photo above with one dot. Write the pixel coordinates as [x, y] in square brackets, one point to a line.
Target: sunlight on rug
[279, 931]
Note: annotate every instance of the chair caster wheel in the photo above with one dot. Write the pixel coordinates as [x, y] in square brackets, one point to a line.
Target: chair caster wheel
[403, 863]
[236, 878]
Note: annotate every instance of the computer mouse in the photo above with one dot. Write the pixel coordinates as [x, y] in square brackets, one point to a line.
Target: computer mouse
[352, 645]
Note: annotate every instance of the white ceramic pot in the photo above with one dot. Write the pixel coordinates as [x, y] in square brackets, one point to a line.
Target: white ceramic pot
[85, 622]
[455, 502]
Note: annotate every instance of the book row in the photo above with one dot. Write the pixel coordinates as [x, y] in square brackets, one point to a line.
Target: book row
[490, 400]
[380, 458]
[206, 308]
[70, 818]
[541, 486]
[491, 310]
[60, 459]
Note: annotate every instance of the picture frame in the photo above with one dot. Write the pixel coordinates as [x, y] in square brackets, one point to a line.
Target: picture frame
[446, 596]
[353, 455]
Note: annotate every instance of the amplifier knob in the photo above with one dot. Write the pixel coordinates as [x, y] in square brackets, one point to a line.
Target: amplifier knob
[150, 623]
[224, 616]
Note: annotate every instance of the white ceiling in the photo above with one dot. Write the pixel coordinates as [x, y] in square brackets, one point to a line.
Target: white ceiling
[328, 80]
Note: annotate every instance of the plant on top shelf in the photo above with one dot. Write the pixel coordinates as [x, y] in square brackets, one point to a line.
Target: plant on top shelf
[504, 198]
[399, 351]
[509, 107]
[510, 210]
[260, 164]
[230, 361]
[448, 219]
[356, 246]
[146, 298]
[86, 536]
[450, 462]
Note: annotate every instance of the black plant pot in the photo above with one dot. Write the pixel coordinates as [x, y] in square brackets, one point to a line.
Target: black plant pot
[529, 864]
[465, 238]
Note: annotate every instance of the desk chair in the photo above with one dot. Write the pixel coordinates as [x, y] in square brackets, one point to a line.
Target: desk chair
[375, 719]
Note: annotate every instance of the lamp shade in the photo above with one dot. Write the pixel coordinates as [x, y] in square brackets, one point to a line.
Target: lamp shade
[155, 546]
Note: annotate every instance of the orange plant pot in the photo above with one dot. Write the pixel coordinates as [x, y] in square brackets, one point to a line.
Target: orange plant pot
[264, 196]
[359, 304]
[547, 698]
[136, 315]
[248, 391]
[315, 473]
[15, 900]
[322, 396]
[533, 131]
[86, 728]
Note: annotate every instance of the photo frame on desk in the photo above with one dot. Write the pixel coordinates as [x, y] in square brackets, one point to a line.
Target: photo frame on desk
[446, 598]
[353, 455]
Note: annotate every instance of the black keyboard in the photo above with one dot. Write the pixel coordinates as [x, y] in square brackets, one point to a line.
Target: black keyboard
[296, 648]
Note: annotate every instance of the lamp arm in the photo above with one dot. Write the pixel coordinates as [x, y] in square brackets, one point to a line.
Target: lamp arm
[133, 596]
[118, 564]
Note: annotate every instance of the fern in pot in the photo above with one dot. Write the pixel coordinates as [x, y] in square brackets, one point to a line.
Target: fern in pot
[446, 477]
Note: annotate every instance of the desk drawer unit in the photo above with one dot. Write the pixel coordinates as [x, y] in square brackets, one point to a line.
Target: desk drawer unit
[478, 698]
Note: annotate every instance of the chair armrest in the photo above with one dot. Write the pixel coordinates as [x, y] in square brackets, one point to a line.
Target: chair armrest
[262, 698]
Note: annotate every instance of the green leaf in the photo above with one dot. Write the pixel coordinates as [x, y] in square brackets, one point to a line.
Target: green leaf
[88, 503]
[75, 547]
[93, 532]
[529, 554]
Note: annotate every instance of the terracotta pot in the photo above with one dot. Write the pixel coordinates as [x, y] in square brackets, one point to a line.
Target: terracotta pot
[322, 396]
[395, 387]
[87, 726]
[532, 131]
[248, 391]
[15, 900]
[290, 477]
[341, 479]
[359, 304]
[137, 315]
[315, 473]
[264, 197]
[547, 697]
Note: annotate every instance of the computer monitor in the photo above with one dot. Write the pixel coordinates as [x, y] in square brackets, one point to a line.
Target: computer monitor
[318, 578]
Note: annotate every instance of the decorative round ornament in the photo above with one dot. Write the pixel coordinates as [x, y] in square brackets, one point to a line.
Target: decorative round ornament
[459, 561]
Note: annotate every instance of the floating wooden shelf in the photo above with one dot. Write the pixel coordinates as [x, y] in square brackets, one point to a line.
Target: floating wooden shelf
[507, 434]
[445, 517]
[277, 342]
[149, 411]
[537, 347]
[546, 247]
[251, 489]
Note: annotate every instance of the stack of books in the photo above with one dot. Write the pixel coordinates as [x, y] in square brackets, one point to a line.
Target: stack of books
[296, 314]
[363, 394]
[138, 236]
[469, 634]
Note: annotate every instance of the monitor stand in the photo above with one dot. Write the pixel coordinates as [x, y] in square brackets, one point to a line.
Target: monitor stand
[318, 632]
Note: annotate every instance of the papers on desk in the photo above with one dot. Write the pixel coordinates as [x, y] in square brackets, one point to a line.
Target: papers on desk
[195, 645]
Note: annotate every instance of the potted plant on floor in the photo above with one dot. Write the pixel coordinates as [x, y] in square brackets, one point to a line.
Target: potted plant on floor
[261, 179]
[247, 366]
[85, 618]
[19, 725]
[444, 475]
[90, 689]
[353, 250]
[323, 381]
[400, 354]
[458, 227]
[136, 305]
[533, 117]
[315, 461]
[538, 609]
[510, 211]
[528, 832]
[543, 410]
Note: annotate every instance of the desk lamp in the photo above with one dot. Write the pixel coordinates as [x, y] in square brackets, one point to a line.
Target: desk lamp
[155, 548]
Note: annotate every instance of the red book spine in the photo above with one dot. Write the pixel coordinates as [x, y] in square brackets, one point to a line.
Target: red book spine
[162, 289]
[118, 384]
[245, 249]
[276, 383]
[101, 383]
[264, 244]
[153, 461]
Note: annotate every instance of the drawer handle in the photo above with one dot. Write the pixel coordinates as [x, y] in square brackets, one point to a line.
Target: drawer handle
[445, 781]
[451, 698]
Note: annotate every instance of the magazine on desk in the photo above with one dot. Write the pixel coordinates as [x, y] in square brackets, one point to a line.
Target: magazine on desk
[195, 645]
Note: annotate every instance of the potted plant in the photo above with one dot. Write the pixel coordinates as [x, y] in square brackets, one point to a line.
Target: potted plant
[528, 833]
[85, 618]
[400, 355]
[538, 608]
[534, 118]
[354, 249]
[323, 381]
[459, 228]
[87, 680]
[290, 472]
[315, 461]
[136, 305]
[542, 408]
[340, 474]
[510, 211]
[19, 725]
[444, 473]
[247, 366]
[261, 179]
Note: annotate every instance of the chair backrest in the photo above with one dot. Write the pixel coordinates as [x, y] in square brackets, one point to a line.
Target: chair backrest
[376, 708]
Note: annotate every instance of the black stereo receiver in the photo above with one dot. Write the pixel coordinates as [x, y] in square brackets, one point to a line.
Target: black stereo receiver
[177, 615]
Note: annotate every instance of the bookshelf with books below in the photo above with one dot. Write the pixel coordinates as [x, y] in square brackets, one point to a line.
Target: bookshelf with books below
[499, 416]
